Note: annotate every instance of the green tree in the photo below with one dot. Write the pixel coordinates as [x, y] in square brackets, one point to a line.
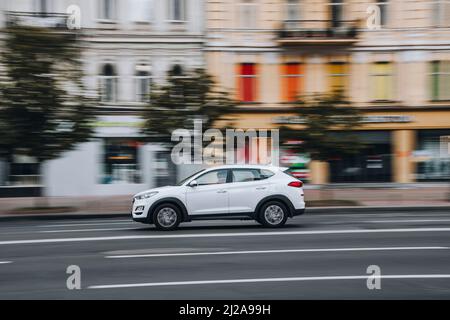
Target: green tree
[184, 98]
[327, 125]
[328, 122]
[44, 107]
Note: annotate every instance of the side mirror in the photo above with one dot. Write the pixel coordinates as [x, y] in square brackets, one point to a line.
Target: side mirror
[193, 183]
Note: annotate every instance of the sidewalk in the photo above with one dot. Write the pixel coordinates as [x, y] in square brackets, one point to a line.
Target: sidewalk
[366, 195]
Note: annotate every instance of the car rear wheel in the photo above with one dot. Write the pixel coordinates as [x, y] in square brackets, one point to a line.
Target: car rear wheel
[273, 214]
[167, 217]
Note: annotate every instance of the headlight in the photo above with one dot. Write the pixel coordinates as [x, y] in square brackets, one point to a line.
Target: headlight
[146, 195]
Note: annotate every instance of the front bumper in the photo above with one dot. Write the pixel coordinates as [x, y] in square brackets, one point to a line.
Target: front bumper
[139, 210]
[141, 219]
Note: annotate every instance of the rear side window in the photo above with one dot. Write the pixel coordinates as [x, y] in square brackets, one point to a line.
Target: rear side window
[266, 174]
[245, 175]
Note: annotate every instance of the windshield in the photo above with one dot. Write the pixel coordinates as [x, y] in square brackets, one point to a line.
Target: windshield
[186, 179]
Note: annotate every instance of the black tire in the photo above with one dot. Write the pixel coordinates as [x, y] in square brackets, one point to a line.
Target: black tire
[278, 212]
[166, 217]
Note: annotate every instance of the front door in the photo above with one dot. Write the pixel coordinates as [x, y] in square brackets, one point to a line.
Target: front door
[210, 196]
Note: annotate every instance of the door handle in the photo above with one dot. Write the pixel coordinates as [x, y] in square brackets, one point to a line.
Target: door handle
[261, 188]
[222, 191]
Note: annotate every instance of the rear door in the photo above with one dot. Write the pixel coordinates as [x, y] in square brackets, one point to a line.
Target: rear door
[248, 186]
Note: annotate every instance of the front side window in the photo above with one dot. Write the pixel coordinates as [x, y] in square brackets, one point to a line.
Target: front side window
[213, 177]
[189, 177]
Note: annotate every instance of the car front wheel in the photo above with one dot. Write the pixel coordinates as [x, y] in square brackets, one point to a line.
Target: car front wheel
[273, 214]
[167, 217]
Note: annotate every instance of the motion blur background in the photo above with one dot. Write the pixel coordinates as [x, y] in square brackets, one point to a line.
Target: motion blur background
[264, 52]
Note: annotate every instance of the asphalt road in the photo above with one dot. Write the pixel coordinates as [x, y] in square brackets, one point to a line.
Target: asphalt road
[313, 257]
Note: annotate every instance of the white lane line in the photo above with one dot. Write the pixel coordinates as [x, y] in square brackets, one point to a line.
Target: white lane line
[414, 220]
[84, 224]
[86, 230]
[256, 280]
[5, 262]
[227, 234]
[153, 255]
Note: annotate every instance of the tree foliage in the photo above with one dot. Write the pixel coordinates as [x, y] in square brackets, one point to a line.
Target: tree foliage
[182, 99]
[44, 106]
[328, 122]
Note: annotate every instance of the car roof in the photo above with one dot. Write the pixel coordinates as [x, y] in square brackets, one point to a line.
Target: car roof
[245, 166]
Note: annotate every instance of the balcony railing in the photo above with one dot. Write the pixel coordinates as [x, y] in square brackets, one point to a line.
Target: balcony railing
[318, 32]
[36, 19]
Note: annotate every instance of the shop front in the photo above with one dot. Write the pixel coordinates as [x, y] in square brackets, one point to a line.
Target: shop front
[432, 155]
[372, 164]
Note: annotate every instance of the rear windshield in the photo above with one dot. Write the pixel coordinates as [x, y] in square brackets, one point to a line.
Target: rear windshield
[290, 174]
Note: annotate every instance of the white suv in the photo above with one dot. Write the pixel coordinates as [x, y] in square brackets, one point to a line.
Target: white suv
[266, 194]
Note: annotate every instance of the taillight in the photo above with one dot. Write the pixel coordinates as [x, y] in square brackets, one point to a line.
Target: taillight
[295, 184]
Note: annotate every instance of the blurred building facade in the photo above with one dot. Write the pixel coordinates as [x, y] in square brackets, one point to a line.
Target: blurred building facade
[267, 52]
[127, 45]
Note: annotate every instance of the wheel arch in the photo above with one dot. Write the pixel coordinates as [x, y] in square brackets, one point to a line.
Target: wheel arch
[175, 201]
[277, 197]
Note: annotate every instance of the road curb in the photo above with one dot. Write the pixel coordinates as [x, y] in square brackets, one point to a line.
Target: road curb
[56, 216]
[377, 209]
[309, 211]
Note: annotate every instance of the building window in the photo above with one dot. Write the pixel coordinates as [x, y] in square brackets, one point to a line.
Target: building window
[120, 161]
[247, 82]
[22, 171]
[176, 70]
[177, 10]
[292, 12]
[336, 13]
[107, 9]
[292, 74]
[383, 5]
[42, 6]
[382, 81]
[338, 77]
[108, 84]
[142, 82]
[247, 14]
[440, 80]
[141, 10]
[441, 13]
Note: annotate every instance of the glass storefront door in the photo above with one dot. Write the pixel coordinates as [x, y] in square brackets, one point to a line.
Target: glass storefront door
[372, 164]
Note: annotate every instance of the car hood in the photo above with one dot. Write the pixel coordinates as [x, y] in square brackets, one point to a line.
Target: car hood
[165, 189]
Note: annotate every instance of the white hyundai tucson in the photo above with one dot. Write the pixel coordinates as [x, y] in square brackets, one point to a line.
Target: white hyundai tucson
[266, 194]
